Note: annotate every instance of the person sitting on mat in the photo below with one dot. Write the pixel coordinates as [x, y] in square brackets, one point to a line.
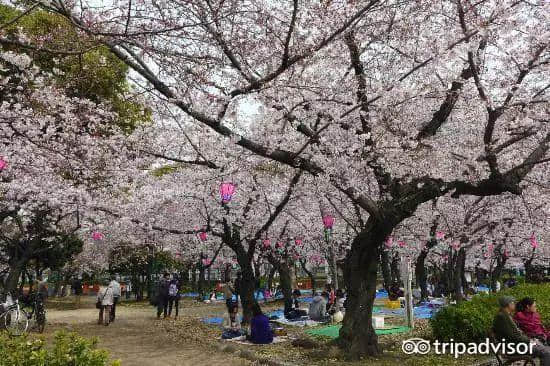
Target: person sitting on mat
[318, 307]
[260, 330]
[292, 310]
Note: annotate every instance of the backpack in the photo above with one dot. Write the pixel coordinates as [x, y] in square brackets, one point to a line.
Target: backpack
[173, 289]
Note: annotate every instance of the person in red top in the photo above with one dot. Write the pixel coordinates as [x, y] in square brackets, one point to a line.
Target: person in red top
[528, 320]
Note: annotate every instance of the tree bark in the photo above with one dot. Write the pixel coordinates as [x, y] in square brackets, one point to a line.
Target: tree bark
[285, 277]
[395, 273]
[357, 334]
[270, 278]
[458, 275]
[12, 281]
[247, 287]
[421, 276]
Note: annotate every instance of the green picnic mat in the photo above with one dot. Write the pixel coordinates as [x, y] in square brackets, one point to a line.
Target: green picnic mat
[332, 331]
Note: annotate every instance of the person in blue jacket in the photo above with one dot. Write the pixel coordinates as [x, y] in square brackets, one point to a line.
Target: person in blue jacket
[260, 329]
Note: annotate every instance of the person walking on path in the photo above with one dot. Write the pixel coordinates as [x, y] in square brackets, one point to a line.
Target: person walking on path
[162, 295]
[105, 302]
[116, 296]
[77, 288]
[174, 296]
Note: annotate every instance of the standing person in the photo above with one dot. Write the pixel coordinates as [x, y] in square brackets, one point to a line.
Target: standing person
[128, 290]
[237, 286]
[42, 288]
[232, 305]
[77, 288]
[162, 295]
[105, 302]
[174, 296]
[116, 296]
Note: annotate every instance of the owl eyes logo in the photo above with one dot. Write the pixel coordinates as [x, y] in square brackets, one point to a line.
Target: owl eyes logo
[414, 346]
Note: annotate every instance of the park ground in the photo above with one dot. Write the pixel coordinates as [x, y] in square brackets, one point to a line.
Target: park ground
[137, 338]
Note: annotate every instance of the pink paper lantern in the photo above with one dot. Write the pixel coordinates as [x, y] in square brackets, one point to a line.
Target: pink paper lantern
[401, 244]
[389, 242]
[96, 235]
[206, 261]
[533, 241]
[455, 245]
[279, 244]
[440, 235]
[203, 236]
[298, 242]
[266, 243]
[3, 164]
[226, 191]
[328, 221]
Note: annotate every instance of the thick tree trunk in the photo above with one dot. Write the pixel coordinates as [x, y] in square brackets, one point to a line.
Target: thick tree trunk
[227, 273]
[386, 271]
[200, 288]
[357, 334]
[247, 288]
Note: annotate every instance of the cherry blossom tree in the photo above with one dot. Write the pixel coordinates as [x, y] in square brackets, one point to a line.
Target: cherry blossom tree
[393, 103]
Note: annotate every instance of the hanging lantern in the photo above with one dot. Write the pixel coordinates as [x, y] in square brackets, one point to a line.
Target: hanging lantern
[389, 242]
[506, 254]
[328, 221]
[266, 243]
[440, 235]
[401, 244]
[279, 244]
[203, 236]
[206, 261]
[533, 241]
[298, 242]
[455, 245]
[96, 235]
[3, 164]
[226, 191]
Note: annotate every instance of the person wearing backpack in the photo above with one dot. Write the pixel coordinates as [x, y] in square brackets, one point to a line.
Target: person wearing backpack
[162, 295]
[174, 296]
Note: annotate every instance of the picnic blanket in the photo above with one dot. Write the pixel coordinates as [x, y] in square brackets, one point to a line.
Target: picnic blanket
[420, 312]
[332, 331]
[381, 294]
[301, 322]
[306, 299]
[243, 340]
[190, 294]
[217, 320]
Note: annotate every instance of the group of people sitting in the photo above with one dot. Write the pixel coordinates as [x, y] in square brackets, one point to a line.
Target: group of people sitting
[521, 323]
[325, 306]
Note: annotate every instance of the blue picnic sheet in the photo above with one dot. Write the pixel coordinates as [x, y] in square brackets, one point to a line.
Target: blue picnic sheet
[190, 294]
[276, 313]
[381, 294]
[217, 320]
[306, 299]
[420, 312]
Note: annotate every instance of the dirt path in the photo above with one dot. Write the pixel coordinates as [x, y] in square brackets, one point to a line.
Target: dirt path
[136, 338]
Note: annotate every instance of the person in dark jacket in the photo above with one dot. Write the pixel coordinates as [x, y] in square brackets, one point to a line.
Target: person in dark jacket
[505, 329]
[260, 330]
[77, 288]
[174, 296]
[292, 307]
[162, 295]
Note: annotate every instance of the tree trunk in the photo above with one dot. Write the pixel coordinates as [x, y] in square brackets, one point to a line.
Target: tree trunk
[247, 287]
[421, 276]
[458, 275]
[395, 275]
[12, 281]
[357, 334]
[386, 271]
[286, 281]
[270, 278]
[200, 288]
[227, 273]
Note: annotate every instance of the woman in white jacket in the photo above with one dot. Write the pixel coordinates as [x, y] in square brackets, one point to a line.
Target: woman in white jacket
[105, 300]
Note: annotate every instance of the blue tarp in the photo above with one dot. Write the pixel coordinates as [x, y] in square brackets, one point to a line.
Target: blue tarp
[216, 320]
[381, 294]
[420, 312]
[305, 299]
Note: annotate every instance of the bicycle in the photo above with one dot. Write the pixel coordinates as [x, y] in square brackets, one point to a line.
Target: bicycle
[35, 302]
[13, 318]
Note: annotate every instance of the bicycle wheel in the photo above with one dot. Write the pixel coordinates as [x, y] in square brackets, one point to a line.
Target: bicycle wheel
[16, 321]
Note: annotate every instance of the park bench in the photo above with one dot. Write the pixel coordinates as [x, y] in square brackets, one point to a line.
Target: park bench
[510, 360]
